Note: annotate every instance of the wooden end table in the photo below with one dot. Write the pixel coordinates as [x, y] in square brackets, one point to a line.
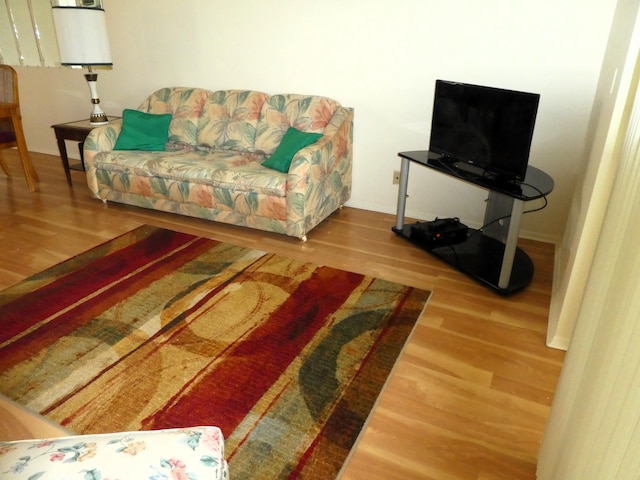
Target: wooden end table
[75, 131]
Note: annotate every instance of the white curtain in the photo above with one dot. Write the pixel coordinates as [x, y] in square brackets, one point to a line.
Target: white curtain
[594, 427]
[27, 35]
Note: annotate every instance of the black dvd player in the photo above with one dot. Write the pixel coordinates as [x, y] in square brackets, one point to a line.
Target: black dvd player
[439, 232]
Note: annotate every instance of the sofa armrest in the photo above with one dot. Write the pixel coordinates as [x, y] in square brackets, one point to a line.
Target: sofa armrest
[100, 139]
[319, 179]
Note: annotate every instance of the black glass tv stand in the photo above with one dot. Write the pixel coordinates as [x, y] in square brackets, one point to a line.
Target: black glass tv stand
[490, 256]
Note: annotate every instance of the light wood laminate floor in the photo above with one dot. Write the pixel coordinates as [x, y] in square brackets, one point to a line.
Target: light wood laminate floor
[471, 394]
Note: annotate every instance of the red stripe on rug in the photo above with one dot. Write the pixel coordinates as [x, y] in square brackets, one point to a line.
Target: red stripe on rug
[21, 349]
[273, 345]
[128, 260]
[67, 290]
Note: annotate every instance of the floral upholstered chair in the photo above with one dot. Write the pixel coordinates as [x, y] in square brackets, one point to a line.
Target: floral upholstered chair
[191, 453]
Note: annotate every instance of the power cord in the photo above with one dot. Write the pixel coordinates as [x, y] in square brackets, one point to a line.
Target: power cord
[483, 227]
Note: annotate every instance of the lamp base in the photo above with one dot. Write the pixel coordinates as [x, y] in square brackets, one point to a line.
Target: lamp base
[98, 119]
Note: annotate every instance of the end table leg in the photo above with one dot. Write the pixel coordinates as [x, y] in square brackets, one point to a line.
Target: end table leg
[65, 160]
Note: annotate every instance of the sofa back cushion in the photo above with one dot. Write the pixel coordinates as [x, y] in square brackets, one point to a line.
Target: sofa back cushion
[306, 113]
[230, 119]
[185, 106]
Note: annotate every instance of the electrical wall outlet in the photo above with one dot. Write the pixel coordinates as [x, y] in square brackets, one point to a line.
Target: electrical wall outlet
[396, 177]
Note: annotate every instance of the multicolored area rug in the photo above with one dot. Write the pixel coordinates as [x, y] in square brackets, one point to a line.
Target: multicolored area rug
[159, 329]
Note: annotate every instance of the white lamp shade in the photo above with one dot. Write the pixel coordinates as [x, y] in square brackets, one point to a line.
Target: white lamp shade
[82, 36]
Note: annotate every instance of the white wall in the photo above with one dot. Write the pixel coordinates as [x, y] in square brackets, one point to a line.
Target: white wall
[382, 58]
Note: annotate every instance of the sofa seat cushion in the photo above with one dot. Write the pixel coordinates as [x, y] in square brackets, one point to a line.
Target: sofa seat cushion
[228, 170]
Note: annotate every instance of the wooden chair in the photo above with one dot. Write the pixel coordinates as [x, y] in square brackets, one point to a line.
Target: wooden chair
[11, 133]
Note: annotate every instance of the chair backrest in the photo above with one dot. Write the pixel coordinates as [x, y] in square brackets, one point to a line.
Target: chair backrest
[8, 85]
[11, 134]
[8, 94]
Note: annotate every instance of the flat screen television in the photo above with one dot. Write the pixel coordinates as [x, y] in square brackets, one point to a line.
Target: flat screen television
[488, 128]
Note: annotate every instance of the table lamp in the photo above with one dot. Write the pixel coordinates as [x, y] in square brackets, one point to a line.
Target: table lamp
[81, 30]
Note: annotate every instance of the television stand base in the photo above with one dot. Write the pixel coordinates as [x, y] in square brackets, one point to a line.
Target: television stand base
[492, 256]
[479, 257]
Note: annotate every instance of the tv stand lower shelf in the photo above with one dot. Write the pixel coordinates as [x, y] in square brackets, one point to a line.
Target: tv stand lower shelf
[490, 256]
[481, 258]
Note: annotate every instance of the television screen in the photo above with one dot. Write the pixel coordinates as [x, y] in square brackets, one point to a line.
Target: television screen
[490, 128]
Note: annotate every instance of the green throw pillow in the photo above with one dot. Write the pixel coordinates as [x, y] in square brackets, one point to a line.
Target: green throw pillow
[143, 131]
[292, 141]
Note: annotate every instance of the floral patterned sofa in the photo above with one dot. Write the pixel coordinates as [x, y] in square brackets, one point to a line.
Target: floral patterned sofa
[211, 166]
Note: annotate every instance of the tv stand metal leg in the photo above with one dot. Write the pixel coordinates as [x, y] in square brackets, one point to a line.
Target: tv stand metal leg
[402, 193]
[511, 244]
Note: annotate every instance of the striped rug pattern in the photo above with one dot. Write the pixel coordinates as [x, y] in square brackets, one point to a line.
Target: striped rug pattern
[160, 329]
